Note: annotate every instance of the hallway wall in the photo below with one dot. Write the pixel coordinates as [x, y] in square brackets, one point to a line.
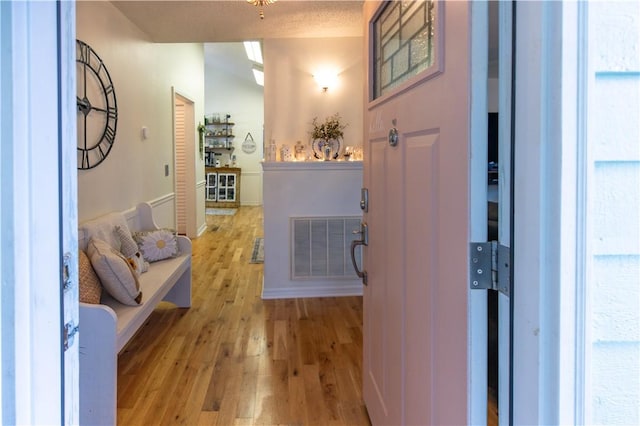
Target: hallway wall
[293, 98]
[143, 74]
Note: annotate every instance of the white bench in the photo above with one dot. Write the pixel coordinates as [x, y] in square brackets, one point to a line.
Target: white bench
[106, 328]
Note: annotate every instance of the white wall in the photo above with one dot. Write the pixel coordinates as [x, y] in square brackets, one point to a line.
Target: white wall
[143, 74]
[236, 93]
[292, 97]
[292, 100]
[318, 189]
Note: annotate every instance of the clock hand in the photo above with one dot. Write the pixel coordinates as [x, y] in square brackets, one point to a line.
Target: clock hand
[84, 69]
[85, 133]
[110, 112]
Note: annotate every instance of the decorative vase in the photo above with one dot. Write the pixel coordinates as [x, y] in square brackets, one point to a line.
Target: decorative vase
[326, 150]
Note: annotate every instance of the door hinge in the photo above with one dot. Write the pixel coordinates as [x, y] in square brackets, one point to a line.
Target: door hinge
[490, 265]
[68, 335]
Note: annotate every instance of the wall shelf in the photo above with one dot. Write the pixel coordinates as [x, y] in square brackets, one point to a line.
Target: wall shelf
[218, 140]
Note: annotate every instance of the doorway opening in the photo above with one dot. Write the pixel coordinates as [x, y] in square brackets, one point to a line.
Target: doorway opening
[492, 296]
[499, 212]
[184, 151]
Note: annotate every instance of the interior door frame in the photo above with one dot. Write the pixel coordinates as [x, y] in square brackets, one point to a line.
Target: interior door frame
[506, 142]
[478, 216]
[190, 160]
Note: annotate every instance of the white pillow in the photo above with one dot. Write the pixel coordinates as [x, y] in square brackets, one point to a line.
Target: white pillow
[129, 248]
[158, 244]
[116, 274]
[102, 228]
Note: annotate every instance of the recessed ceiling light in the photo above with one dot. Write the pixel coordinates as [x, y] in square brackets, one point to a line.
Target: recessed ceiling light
[254, 51]
[258, 74]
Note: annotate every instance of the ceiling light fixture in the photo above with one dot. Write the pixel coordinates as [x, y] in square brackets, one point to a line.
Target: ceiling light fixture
[261, 4]
[254, 51]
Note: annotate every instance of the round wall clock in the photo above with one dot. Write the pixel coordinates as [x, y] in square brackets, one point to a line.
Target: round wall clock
[97, 108]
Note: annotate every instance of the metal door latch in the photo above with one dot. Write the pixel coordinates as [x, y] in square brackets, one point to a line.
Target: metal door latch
[66, 273]
[364, 199]
[490, 265]
[69, 334]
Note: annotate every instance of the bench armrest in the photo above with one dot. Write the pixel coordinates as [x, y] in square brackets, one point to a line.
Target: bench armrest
[145, 216]
[184, 244]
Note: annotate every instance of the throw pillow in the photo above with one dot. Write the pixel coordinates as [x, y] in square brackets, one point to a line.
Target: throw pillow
[129, 248]
[158, 244]
[115, 273]
[138, 263]
[102, 228]
[89, 284]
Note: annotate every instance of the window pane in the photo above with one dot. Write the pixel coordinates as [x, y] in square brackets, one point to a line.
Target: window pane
[403, 40]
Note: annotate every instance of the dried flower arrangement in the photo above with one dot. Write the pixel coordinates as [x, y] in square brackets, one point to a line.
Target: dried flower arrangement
[332, 128]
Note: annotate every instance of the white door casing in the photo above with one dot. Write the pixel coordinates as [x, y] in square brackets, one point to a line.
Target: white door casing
[416, 365]
[38, 166]
[505, 44]
[69, 206]
[537, 244]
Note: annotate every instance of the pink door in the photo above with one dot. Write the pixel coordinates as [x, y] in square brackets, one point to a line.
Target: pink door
[415, 304]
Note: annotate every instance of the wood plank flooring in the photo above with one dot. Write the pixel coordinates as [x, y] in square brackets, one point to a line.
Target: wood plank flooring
[235, 359]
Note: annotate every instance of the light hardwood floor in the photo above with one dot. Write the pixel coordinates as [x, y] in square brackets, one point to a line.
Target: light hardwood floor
[234, 359]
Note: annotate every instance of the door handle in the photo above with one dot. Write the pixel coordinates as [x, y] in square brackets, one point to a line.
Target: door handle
[363, 241]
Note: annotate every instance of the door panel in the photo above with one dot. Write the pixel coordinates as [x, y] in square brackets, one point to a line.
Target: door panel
[420, 177]
[415, 305]
[384, 383]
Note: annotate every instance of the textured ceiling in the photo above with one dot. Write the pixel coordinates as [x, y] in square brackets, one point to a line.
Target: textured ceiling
[204, 21]
[237, 20]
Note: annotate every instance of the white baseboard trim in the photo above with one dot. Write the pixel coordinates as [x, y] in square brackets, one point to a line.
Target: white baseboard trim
[202, 229]
[331, 290]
